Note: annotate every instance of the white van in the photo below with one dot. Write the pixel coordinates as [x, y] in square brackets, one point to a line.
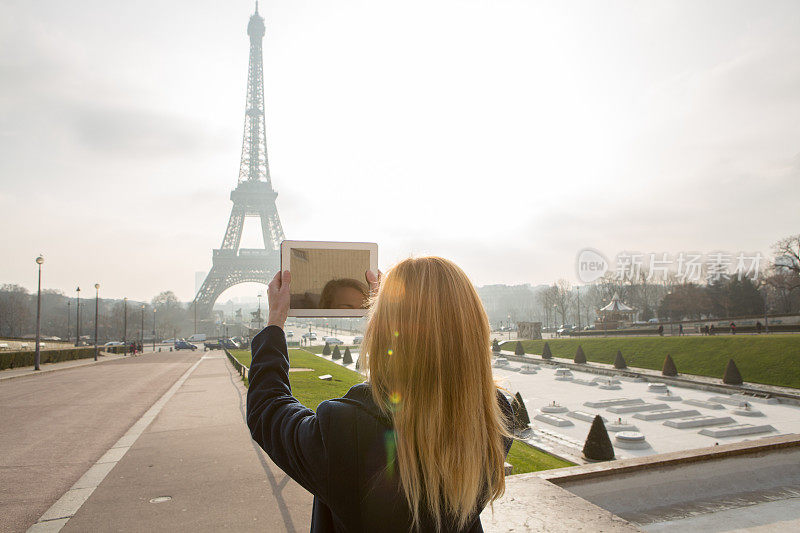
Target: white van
[197, 337]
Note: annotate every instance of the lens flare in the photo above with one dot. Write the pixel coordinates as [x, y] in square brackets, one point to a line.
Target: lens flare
[396, 333]
[394, 398]
[390, 352]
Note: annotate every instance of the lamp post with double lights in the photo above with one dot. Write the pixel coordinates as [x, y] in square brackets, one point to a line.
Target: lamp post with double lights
[37, 357]
[78, 318]
[154, 329]
[96, 315]
[259, 311]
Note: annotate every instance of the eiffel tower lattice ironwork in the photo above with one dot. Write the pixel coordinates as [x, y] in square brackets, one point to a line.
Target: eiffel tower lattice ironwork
[253, 196]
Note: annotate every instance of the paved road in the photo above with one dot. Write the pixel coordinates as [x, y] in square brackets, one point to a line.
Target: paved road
[195, 468]
[56, 425]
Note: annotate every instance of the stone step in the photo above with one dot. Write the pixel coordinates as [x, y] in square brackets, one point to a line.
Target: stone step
[553, 420]
[638, 407]
[736, 430]
[583, 415]
[704, 403]
[602, 404]
[667, 413]
[699, 421]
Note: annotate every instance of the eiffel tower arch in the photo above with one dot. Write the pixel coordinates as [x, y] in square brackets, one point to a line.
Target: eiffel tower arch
[252, 197]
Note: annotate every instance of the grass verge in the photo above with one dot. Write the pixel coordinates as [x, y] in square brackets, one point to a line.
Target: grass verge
[768, 359]
[311, 391]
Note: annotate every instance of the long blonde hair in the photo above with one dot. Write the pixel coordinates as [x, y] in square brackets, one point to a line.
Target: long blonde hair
[428, 359]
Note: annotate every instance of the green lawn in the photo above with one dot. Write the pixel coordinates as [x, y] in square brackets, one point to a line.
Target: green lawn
[311, 391]
[768, 359]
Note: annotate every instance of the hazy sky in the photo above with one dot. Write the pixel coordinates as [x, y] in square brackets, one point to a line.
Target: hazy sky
[506, 135]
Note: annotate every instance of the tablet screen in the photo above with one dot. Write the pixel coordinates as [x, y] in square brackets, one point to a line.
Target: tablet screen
[329, 279]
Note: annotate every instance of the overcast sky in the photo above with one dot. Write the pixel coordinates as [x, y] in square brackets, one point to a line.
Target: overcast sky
[505, 135]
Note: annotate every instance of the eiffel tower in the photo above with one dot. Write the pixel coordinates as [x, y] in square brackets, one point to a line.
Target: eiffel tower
[253, 197]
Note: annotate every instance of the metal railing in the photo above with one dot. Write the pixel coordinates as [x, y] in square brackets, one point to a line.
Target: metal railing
[240, 368]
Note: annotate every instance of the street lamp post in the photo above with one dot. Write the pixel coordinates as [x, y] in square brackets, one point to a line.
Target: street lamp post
[141, 330]
[125, 325]
[69, 320]
[38, 355]
[578, 292]
[154, 330]
[96, 315]
[78, 318]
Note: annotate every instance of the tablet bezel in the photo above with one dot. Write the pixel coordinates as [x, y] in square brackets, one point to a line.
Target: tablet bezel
[286, 247]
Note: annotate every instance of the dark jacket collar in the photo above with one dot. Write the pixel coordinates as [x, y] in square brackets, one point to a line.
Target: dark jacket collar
[361, 396]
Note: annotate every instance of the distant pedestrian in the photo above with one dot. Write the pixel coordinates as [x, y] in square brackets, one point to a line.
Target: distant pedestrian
[733, 328]
[711, 330]
[758, 327]
[661, 330]
[680, 329]
[133, 348]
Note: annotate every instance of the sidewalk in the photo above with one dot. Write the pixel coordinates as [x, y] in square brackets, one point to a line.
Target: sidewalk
[195, 468]
[12, 373]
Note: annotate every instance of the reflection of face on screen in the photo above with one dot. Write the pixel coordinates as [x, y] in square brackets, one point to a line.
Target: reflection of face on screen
[328, 279]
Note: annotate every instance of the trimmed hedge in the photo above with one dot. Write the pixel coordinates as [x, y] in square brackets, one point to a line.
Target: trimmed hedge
[116, 349]
[19, 359]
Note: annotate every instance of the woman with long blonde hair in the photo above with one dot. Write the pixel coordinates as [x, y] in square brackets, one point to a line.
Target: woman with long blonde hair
[421, 445]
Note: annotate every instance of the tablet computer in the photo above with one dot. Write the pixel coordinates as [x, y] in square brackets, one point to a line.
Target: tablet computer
[328, 278]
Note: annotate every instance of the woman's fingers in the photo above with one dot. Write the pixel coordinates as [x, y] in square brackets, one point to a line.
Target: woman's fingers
[373, 280]
[286, 279]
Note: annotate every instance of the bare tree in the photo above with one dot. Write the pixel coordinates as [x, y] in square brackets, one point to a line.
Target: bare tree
[15, 315]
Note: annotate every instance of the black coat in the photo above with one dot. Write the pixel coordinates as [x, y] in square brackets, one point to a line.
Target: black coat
[338, 454]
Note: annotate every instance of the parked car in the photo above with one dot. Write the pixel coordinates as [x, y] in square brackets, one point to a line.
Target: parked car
[289, 334]
[169, 341]
[311, 336]
[197, 337]
[113, 343]
[212, 345]
[183, 345]
[229, 344]
[333, 340]
[358, 339]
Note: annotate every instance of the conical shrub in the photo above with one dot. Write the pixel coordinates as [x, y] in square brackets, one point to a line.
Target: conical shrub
[358, 361]
[518, 349]
[619, 361]
[347, 358]
[732, 375]
[669, 368]
[495, 346]
[546, 354]
[580, 357]
[598, 446]
[327, 349]
[337, 354]
[520, 413]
